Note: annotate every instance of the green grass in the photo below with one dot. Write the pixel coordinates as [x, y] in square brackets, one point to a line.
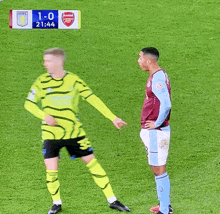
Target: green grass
[104, 53]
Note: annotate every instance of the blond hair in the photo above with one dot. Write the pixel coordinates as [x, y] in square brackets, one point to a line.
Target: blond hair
[58, 52]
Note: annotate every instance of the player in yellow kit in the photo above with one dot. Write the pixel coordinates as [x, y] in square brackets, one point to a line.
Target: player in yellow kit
[58, 93]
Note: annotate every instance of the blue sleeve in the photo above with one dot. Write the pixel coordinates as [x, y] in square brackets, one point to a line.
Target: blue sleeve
[160, 90]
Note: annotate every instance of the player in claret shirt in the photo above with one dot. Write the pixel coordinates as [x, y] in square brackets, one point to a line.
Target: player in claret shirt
[58, 92]
[155, 132]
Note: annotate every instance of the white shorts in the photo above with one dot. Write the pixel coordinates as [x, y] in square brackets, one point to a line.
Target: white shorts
[157, 145]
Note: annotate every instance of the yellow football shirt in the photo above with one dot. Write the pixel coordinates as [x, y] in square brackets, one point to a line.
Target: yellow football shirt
[60, 98]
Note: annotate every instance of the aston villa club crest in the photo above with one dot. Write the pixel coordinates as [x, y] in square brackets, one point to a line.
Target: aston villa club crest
[68, 18]
[22, 18]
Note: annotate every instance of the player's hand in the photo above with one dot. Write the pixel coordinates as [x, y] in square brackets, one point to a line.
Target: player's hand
[50, 121]
[150, 124]
[118, 123]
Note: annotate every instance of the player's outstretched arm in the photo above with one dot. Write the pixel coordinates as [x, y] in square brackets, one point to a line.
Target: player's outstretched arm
[100, 106]
[118, 123]
[97, 103]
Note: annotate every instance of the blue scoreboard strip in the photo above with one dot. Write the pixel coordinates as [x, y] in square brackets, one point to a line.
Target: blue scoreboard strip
[45, 19]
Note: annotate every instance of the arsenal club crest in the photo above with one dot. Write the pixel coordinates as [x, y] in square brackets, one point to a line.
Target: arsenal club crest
[68, 18]
[22, 18]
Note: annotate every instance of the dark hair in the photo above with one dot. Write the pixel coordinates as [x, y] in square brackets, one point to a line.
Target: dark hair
[152, 51]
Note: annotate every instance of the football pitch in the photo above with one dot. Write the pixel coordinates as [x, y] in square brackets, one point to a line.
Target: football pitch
[104, 54]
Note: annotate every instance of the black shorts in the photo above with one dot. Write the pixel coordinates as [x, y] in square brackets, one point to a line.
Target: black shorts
[77, 147]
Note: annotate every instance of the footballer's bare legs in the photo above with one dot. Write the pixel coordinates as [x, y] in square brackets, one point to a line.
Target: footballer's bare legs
[158, 170]
[86, 159]
[51, 163]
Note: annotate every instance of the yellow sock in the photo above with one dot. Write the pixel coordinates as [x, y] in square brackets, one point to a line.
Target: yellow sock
[53, 184]
[100, 177]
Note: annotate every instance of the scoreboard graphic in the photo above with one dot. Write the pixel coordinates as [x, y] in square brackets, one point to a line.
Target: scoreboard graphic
[45, 19]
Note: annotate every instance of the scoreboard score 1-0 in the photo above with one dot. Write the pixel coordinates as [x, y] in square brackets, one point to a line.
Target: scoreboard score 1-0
[45, 19]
